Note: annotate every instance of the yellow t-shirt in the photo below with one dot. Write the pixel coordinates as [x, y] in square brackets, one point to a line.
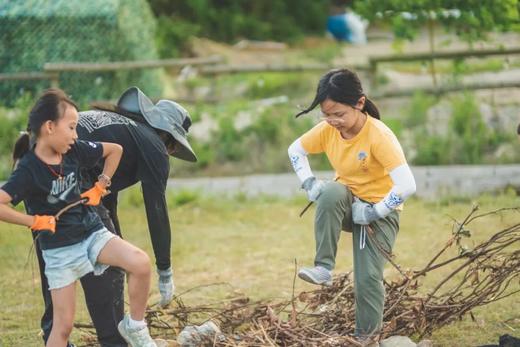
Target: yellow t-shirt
[363, 162]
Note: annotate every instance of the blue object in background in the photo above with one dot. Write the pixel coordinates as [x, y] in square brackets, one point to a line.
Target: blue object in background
[337, 25]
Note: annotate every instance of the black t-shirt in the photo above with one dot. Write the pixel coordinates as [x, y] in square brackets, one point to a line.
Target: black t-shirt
[145, 159]
[43, 193]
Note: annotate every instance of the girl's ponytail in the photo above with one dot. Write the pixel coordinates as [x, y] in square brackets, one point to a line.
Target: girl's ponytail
[371, 108]
[21, 147]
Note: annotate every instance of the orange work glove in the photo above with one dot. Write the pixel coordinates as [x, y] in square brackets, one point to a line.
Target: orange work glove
[94, 194]
[42, 223]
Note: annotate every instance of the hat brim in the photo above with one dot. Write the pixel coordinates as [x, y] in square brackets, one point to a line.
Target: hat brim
[135, 101]
[185, 152]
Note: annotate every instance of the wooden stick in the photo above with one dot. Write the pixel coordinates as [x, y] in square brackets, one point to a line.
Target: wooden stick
[69, 206]
[74, 204]
[306, 208]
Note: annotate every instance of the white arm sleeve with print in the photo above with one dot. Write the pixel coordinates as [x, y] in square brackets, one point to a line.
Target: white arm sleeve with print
[403, 188]
[299, 160]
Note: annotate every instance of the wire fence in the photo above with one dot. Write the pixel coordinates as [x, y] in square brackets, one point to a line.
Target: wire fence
[36, 32]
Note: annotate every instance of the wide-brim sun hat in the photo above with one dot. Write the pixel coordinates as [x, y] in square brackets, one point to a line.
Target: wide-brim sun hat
[166, 115]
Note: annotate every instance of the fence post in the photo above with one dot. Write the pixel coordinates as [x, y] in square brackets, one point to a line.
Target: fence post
[55, 79]
[372, 75]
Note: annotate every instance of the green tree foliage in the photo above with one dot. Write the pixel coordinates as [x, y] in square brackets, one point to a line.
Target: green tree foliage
[229, 20]
[470, 19]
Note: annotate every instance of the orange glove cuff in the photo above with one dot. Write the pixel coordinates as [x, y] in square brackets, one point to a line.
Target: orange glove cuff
[42, 223]
[94, 194]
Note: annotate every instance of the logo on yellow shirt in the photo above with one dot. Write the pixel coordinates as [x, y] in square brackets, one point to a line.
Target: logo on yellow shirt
[362, 157]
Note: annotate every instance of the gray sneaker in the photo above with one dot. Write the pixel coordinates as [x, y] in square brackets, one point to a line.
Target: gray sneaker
[316, 275]
[139, 337]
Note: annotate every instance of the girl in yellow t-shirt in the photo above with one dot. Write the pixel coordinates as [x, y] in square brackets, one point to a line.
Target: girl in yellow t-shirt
[372, 181]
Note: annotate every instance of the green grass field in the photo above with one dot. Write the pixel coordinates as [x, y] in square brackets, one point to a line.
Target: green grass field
[251, 245]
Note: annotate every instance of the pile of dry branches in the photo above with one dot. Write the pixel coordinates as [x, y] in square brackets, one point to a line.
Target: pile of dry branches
[474, 277]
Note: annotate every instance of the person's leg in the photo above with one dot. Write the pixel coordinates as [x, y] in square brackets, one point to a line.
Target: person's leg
[64, 306]
[110, 204]
[46, 320]
[136, 263]
[104, 296]
[369, 263]
[332, 207]
[105, 303]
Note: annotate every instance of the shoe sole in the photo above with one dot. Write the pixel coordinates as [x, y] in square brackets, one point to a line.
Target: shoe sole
[309, 279]
[122, 335]
[127, 341]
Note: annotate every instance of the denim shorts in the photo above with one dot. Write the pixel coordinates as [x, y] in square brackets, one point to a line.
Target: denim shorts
[65, 265]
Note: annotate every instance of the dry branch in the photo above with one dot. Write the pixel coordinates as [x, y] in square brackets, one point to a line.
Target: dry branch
[325, 317]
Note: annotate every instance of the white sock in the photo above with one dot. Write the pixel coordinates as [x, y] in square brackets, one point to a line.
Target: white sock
[136, 324]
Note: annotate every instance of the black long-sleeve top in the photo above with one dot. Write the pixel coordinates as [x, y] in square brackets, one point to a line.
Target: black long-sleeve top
[144, 160]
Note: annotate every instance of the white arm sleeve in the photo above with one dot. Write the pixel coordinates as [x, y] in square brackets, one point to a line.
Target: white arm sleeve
[299, 160]
[404, 187]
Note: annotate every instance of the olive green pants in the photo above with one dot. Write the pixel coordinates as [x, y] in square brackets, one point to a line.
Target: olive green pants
[333, 214]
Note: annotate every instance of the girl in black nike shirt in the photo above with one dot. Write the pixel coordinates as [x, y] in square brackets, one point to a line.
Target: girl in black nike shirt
[46, 178]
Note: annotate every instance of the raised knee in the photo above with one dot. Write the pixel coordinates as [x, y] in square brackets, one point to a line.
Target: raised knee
[141, 266]
[331, 195]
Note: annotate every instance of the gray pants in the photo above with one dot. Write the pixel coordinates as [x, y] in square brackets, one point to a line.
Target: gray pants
[333, 214]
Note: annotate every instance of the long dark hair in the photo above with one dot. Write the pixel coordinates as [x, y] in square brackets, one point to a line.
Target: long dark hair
[49, 106]
[343, 86]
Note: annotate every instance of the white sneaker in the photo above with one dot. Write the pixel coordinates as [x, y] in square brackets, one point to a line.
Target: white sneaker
[139, 337]
[316, 275]
[166, 287]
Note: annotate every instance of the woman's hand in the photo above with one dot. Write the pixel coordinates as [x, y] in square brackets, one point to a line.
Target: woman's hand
[363, 213]
[313, 187]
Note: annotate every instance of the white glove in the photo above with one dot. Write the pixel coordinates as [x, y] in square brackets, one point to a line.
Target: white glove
[166, 286]
[363, 213]
[313, 187]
